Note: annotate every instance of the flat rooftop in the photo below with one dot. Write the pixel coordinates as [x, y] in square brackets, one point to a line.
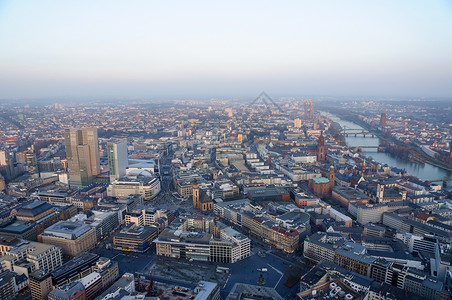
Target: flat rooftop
[67, 230]
[18, 227]
[81, 260]
[32, 248]
[350, 193]
[136, 232]
[171, 235]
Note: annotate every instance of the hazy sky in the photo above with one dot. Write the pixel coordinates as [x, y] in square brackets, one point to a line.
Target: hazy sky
[212, 48]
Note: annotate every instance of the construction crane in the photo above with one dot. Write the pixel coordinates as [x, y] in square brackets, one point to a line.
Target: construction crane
[150, 287]
[138, 281]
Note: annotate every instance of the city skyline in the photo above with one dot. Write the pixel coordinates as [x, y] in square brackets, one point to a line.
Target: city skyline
[209, 150]
[243, 195]
[181, 50]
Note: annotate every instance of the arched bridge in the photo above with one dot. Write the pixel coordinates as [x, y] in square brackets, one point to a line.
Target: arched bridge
[356, 132]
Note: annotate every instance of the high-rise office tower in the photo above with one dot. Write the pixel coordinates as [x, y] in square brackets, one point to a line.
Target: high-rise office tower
[3, 158]
[82, 153]
[7, 165]
[306, 109]
[2, 183]
[311, 109]
[383, 120]
[31, 160]
[117, 159]
[89, 136]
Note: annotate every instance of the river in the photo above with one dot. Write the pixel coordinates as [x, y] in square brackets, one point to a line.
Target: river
[423, 171]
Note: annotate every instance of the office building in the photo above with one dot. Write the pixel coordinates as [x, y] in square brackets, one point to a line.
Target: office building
[7, 283]
[147, 187]
[3, 158]
[31, 160]
[19, 229]
[92, 284]
[103, 222]
[54, 196]
[40, 284]
[370, 229]
[82, 153]
[39, 212]
[242, 291]
[373, 213]
[7, 165]
[297, 123]
[260, 225]
[71, 291]
[207, 291]
[346, 195]
[135, 239]
[202, 246]
[74, 238]
[418, 242]
[353, 257]
[194, 246]
[117, 159]
[123, 287]
[243, 242]
[108, 271]
[35, 211]
[41, 256]
[147, 216]
[383, 120]
[74, 269]
[2, 183]
[322, 246]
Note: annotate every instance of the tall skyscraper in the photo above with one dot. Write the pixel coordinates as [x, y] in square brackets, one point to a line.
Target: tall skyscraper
[31, 160]
[383, 120]
[311, 109]
[306, 109]
[82, 153]
[117, 159]
[7, 165]
[3, 158]
[450, 151]
[89, 136]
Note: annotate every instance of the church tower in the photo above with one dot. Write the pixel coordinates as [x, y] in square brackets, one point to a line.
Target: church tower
[321, 148]
[195, 196]
[331, 177]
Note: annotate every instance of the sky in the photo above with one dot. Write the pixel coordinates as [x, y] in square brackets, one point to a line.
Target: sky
[188, 49]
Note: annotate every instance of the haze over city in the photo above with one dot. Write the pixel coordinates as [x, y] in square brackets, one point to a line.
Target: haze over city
[187, 49]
